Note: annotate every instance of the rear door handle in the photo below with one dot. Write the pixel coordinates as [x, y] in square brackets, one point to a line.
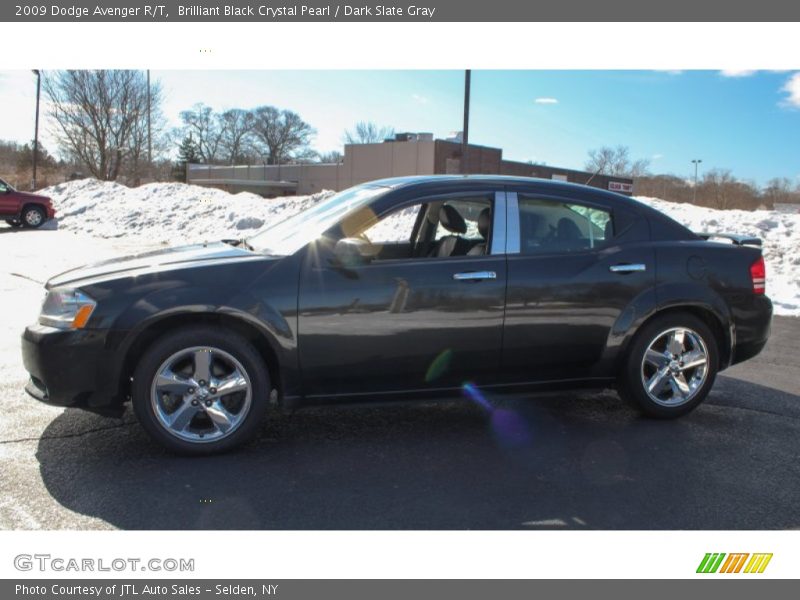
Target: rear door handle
[627, 268]
[474, 275]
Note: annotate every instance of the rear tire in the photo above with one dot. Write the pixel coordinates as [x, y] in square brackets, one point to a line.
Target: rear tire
[14, 224]
[33, 217]
[201, 390]
[671, 366]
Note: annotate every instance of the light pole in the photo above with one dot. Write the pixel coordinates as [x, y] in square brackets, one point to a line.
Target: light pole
[149, 136]
[36, 127]
[696, 162]
[465, 130]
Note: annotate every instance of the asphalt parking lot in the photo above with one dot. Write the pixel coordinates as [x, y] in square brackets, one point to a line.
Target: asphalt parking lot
[565, 461]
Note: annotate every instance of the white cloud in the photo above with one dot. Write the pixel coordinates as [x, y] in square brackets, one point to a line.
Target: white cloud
[419, 99]
[737, 72]
[792, 89]
[546, 100]
[657, 156]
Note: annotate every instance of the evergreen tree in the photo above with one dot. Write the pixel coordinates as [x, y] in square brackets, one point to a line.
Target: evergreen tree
[25, 157]
[187, 153]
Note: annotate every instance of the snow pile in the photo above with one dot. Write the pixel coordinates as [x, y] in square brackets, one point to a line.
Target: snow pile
[176, 213]
[779, 233]
[172, 213]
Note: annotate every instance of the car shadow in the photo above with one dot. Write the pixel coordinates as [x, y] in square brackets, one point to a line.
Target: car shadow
[5, 228]
[574, 460]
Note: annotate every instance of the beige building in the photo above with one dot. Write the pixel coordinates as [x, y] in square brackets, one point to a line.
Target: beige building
[406, 154]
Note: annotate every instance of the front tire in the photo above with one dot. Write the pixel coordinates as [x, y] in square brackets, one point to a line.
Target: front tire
[201, 390]
[671, 366]
[33, 217]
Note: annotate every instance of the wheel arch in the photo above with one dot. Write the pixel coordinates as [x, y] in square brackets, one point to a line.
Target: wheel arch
[155, 329]
[715, 321]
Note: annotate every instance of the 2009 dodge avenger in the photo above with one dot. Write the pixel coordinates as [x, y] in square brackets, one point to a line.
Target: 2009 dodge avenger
[398, 289]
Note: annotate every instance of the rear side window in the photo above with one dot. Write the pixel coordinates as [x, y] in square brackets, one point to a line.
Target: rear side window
[553, 226]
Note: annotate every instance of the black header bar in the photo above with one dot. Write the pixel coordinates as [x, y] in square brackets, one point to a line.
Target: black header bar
[406, 11]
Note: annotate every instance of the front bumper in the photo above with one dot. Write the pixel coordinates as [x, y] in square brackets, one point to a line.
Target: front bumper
[69, 368]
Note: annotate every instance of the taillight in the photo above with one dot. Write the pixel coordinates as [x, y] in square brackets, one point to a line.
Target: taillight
[758, 274]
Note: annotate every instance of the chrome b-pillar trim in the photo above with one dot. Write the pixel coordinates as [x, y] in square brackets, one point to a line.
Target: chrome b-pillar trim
[512, 223]
[499, 225]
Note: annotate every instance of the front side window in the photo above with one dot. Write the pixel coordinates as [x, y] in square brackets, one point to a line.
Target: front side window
[396, 227]
[470, 209]
[554, 226]
[430, 228]
[289, 235]
[4, 187]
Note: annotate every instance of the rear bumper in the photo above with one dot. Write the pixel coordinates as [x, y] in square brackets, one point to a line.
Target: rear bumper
[66, 369]
[753, 325]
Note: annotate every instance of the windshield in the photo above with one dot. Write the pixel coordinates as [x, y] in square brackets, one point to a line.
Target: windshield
[288, 236]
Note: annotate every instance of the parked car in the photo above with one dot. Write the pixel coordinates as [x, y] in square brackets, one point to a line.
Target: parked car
[23, 209]
[398, 289]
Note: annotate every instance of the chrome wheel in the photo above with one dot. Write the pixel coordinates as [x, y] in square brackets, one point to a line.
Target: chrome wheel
[33, 217]
[201, 394]
[675, 366]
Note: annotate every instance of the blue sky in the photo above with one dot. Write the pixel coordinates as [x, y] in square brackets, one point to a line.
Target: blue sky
[748, 122]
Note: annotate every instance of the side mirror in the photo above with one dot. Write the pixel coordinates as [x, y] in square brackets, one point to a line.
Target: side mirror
[352, 252]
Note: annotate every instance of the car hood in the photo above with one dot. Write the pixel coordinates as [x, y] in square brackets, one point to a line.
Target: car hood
[159, 260]
[31, 196]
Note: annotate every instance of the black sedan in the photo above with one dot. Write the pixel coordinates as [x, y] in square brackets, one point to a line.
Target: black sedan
[404, 288]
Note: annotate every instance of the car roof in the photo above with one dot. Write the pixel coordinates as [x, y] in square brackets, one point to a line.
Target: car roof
[541, 185]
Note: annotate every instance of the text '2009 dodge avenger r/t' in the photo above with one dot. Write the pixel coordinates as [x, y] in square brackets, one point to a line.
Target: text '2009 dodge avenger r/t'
[403, 288]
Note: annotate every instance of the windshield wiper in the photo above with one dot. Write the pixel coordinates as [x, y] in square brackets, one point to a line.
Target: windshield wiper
[240, 243]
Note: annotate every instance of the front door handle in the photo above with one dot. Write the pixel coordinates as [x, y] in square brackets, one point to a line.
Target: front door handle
[474, 275]
[627, 268]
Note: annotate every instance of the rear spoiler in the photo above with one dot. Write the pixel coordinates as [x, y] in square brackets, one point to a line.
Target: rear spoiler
[736, 239]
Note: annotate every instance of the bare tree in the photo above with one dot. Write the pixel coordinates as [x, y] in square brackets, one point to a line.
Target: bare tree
[204, 126]
[367, 132]
[281, 135]
[616, 161]
[720, 189]
[136, 164]
[101, 117]
[236, 128]
[334, 156]
[780, 190]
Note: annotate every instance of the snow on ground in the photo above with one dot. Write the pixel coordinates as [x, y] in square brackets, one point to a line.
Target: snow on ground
[779, 233]
[176, 213]
[172, 213]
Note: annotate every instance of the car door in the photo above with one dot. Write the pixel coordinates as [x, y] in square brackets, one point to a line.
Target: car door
[411, 320]
[573, 268]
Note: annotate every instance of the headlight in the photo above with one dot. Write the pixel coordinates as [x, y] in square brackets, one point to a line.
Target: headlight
[66, 309]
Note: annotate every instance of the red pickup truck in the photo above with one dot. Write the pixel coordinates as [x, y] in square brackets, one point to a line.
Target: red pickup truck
[23, 209]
